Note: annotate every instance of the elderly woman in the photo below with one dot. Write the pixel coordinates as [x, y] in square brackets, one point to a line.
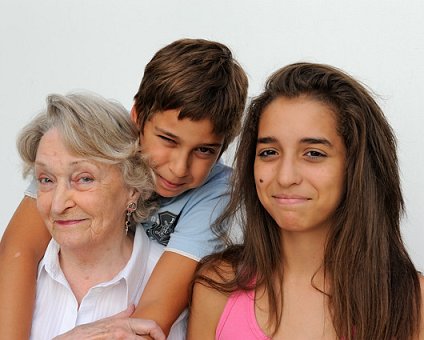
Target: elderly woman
[93, 186]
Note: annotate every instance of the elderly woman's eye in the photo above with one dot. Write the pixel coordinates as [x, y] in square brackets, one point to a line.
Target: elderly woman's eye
[85, 179]
[44, 180]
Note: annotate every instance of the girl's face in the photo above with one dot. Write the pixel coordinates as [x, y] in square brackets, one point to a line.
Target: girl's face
[300, 163]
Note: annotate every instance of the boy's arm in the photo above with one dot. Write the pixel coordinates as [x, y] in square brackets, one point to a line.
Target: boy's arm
[22, 247]
[166, 293]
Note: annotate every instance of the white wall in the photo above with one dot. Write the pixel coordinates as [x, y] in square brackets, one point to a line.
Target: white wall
[102, 45]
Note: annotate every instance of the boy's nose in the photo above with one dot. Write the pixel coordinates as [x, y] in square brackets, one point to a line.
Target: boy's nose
[180, 166]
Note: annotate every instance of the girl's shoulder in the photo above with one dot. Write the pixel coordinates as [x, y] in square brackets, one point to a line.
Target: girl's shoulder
[208, 301]
[421, 331]
[220, 267]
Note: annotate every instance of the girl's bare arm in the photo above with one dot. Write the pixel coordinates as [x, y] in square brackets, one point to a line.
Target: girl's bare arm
[205, 312]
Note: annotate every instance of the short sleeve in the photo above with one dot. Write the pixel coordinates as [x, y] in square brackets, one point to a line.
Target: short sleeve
[193, 236]
[31, 191]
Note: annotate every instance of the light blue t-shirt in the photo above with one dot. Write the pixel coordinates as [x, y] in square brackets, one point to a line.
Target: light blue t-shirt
[183, 223]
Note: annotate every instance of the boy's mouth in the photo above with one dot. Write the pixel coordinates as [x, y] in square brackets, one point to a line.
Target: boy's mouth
[169, 184]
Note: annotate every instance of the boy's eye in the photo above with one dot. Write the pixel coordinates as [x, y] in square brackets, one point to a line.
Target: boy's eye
[206, 150]
[166, 139]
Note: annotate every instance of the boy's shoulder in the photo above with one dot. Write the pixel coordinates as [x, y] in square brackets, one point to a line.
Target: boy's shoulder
[215, 185]
[220, 173]
[194, 208]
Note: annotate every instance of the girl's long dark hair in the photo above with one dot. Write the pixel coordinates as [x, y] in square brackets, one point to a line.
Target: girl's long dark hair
[374, 287]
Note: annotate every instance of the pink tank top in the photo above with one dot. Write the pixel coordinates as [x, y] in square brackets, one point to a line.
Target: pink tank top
[238, 320]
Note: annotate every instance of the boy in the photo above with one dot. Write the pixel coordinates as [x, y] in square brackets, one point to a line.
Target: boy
[188, 109]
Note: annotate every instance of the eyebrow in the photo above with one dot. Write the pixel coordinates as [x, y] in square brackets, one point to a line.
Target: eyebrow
[169, 134]
[306, 140]
[75, 163]
[312, 140]
[166, 132]
[266, 140]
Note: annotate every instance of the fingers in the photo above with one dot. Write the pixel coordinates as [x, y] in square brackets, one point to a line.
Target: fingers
[124, 314]
[146, 327]
[118, 326]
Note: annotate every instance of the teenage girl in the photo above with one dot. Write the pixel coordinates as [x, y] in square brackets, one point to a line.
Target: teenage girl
[317, 194]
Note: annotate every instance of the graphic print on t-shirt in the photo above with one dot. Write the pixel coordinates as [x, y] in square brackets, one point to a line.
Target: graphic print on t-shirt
[162, 229]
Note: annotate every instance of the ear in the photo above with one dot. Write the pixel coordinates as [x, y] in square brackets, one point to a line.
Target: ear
[133, 196]
[134, 115]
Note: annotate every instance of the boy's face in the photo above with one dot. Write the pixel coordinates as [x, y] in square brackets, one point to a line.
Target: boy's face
[181, 152]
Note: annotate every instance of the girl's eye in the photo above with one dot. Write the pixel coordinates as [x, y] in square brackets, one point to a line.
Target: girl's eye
[267, 153]
[315, 154]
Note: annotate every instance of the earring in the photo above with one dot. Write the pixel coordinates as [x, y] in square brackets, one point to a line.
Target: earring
[130, 209]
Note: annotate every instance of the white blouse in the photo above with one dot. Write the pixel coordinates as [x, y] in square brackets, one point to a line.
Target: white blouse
[56, 308]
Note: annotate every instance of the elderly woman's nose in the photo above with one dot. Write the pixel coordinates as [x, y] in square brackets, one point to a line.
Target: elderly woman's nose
[62, 198]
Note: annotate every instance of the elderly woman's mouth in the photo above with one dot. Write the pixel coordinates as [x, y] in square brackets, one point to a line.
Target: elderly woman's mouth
[69, 222]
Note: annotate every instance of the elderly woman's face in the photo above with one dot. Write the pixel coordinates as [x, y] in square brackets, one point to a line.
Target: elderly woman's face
[83, 202]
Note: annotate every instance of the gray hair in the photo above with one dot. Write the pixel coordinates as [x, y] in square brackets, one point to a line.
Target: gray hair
[94, 128]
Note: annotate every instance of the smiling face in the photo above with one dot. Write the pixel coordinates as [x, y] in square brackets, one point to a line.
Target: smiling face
[181, 152]
[299, 164]
[82, 202]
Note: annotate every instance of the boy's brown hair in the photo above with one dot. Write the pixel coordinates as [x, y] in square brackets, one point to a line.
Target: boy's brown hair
[199, 77]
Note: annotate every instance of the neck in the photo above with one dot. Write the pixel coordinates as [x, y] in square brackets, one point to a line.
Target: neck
[303, 253]
[88, 266]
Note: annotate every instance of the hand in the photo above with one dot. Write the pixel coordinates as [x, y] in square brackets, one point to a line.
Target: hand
[117, 327]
